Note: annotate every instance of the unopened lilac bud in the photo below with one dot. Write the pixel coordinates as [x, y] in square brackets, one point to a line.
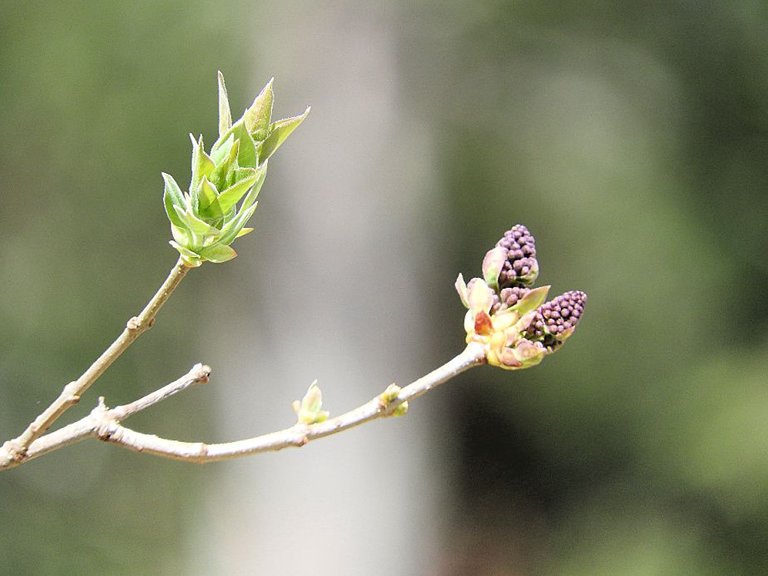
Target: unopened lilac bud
[520, 266]
[508, 297]
[555, 321]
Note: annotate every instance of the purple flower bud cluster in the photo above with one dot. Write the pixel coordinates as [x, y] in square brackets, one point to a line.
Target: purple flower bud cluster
[555, 320]
[521, 267]
[507, 298]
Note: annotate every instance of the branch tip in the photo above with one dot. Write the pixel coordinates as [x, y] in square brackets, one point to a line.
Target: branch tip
[201, 373]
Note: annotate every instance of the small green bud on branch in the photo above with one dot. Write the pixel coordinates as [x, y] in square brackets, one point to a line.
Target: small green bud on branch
[310, 409]
[389, 396]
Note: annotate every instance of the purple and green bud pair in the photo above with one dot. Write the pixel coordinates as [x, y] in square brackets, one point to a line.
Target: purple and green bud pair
[225, 183]
[507, 315]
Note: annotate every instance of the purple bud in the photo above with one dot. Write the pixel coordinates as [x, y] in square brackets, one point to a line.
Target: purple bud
[520, 266]
[555, 320]
[507, 298]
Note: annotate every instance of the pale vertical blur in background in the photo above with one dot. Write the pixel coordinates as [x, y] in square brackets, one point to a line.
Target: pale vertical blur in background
[631, 139]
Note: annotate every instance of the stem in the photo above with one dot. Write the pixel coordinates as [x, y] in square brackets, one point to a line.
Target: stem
[199, 374]
[105, 424]
[17, 448]
[101, 418]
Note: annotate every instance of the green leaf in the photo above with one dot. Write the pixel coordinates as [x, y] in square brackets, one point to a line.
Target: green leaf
[172, 198]
[195, 224]
[232, 195]
[181, 235]
[258, 116]
[278, 132]
[202, 164]
[532, 300]
[246, 156]
[225, 116]
[247, 152]
[243, 232]
[208, 196]
[223, 175]
[245, 172]
[218, 253]
[222, 147]
[254, 192]
[170, 211]
[233, 227]
[173, 190]
[190, 258]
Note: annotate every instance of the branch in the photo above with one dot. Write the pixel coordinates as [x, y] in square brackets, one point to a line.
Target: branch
[17, 448]
[105, 424]
[97, 423]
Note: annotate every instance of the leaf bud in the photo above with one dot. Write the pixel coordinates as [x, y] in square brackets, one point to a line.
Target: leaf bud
[310, 409]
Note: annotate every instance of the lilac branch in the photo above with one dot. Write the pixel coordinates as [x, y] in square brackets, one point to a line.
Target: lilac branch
[106, 424]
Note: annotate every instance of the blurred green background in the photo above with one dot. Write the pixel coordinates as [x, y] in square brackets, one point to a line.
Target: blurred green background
[631, 138]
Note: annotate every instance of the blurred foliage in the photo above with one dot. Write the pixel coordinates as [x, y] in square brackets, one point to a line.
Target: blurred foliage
[630, 138]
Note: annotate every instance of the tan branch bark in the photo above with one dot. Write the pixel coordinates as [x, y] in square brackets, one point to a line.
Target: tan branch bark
[16, 449]
[105, 424]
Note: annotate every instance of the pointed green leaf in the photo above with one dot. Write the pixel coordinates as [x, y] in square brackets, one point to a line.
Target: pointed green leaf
[225, 116]
[240, 173]
[223, 176]
[278, 132]
[222, 148]
[181, 234]
[173, 190]
[246, 155]
[256, 179]
[243, 232]
[232, 195]
[208, 196]
[169, 210]
[218, 253]
[531, 300]
[233, 227]
[172, 197]
[258, 116]
[202, 164]
[195, 224]
[254, 192]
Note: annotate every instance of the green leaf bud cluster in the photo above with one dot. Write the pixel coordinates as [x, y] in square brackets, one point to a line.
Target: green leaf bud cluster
[226, 181]
[512, 320]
